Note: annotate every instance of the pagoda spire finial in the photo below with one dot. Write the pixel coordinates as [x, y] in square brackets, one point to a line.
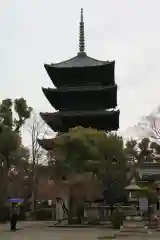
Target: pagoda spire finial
[81, 34]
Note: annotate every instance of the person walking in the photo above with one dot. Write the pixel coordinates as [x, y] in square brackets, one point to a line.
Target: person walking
[14, 217]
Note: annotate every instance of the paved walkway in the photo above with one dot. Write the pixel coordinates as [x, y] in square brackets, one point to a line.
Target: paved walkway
[32, 230]
[38, 231]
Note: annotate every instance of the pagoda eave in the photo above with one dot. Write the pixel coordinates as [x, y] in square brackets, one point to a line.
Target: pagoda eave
[96, 113]
[96, 88]
[63, 121]
[79, 61]
[61, 76]
[84, 97]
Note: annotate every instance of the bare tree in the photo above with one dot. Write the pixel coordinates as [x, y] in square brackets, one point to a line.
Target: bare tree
[37, 130]
[150, 125]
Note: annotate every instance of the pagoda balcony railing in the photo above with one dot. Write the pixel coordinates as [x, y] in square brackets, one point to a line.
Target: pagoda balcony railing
[87, 112]
[85, 109]
[89, 85]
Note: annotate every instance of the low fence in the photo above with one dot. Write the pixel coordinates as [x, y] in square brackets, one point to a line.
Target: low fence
[100, 213]
[103, 212]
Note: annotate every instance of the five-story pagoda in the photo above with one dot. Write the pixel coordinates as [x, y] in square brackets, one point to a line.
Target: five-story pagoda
[85, 88]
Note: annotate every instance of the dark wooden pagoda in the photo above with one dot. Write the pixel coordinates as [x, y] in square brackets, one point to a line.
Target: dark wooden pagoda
[85, 88]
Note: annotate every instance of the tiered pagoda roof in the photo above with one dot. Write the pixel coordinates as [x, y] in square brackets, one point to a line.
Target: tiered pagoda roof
[62, 98]
[81, 70]
[85, 88]
[62, 121]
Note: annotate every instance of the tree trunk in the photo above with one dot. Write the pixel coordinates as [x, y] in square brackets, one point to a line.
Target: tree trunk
[70, 206]
[34, 190]
[4, 183]
[3, 187]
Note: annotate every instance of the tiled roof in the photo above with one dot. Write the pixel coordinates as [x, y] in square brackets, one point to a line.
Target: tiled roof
[81, 60]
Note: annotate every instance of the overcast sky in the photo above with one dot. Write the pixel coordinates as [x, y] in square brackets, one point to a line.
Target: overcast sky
[34, 32]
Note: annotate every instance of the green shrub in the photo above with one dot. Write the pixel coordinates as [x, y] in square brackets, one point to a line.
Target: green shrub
[117, 218]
